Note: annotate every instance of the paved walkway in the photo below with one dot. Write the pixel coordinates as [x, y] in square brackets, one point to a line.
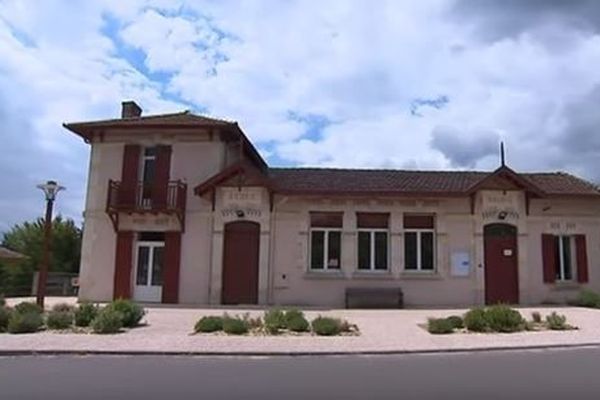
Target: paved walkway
[382, 331]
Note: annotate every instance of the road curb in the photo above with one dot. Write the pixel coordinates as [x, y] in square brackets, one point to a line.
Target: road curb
[24, 353]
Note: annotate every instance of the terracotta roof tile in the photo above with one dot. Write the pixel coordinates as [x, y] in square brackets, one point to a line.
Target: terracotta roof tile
[331, 180]
[180, 118]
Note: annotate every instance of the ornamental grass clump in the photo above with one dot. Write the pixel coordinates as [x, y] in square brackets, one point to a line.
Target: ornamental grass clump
[25, 322]
[27, 307]
[326, 326]
[440, 326]
[235, 325]
[131, 312]
[501, 318]
[456, 321]
[557, 322]
[209, 324]
[58, 319]
[85, 314]
[475, 320]
[274, 321]
[107, 321]
[296, 322]
[588, 298]
[5, 314]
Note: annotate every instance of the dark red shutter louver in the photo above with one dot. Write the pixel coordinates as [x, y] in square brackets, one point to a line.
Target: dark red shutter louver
[172, 258]
[123, 263]
[129, 176]
[582, 261]
[548, 258]
[161, 179]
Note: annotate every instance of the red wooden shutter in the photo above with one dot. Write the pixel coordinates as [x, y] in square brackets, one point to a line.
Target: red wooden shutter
[161, 177]
[582, 261]
[170, 290]
[123, 263]
[548, 258]
[129, 175]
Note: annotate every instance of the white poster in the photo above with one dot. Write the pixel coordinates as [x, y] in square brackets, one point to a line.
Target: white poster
[461, 263]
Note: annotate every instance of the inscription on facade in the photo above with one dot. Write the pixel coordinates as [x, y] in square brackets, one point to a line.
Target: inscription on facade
[246, 197]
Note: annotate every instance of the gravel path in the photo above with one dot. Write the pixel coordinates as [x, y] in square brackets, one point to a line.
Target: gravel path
[169, 330]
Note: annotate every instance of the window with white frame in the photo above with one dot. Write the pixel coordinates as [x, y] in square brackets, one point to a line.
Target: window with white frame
[325, 241]
[564, 253]
[372, 241]
[419, 242]
[147, 173]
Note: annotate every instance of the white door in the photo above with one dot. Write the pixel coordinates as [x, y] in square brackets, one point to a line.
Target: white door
[148, 273]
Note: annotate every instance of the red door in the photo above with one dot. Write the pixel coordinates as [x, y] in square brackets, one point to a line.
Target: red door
[240, 263]
[501, 265]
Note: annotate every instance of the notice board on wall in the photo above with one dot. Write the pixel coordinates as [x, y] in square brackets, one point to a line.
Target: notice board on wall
[461, 263]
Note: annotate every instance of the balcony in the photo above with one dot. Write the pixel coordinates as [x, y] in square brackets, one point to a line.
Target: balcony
[146, 198]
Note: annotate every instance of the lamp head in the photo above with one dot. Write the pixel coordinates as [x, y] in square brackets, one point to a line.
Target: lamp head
[50, 189]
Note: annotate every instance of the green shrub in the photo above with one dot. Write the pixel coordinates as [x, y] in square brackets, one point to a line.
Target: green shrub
[131, 312]
[5, 313]
[440, 326]
[25, 322]
[85, 314]
[63, 307]
[209, 324]
[326, 326]
[59, 319]
[26, 307]
[536, 317]
[297, 323]
[456, 321]
[274, 321]
[2, 301]
[475, 320]
[292, 313]
[108, 320]
[588, 298]
[235, 325]
[557, 322]
[502, 318]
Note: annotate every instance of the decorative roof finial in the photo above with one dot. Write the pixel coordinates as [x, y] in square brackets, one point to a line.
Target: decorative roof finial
[502, 163]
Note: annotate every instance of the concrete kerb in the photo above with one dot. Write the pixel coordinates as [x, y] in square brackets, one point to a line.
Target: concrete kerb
[28, 353]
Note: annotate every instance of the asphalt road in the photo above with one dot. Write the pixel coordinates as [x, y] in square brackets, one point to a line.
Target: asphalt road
[550, 374]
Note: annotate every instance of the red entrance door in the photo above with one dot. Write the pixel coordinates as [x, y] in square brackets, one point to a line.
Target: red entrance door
[501, 266]
[240, 263]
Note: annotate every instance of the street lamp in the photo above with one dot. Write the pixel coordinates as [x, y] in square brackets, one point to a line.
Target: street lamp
[51, 189]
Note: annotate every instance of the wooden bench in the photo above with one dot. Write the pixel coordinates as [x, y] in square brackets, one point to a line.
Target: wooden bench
[361, 297]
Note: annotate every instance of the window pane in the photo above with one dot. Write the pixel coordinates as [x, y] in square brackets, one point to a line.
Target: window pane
[364, 250]
[142, 266]
[381, 250]
[557, 257]
[568, 271]
[410, 250]
[427, 250]
[157, 266]
[149, 170]
[333, 254]
[317, 249]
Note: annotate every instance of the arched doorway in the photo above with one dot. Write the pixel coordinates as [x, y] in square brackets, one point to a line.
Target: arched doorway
[240, 263]
[501, 264]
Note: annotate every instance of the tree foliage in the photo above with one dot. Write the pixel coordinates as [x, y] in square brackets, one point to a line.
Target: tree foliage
[28, 238]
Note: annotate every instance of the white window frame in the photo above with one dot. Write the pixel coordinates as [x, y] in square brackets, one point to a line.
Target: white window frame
[326, 267]
[152, 245]
[561, 260]
[419, 268]
[372, 268]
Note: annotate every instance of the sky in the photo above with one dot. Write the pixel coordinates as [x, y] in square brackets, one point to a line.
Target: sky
[432, 84]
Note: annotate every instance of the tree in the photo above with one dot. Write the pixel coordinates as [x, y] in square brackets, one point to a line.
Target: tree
[28, 239]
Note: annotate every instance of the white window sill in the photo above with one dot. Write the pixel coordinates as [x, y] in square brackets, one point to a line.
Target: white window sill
[432, 275]
[372, 274]
[566, 285]
[324, 274]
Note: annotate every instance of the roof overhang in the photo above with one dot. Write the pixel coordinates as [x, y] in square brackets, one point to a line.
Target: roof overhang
[507, 173]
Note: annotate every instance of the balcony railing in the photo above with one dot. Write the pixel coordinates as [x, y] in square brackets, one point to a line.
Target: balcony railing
[146, 198]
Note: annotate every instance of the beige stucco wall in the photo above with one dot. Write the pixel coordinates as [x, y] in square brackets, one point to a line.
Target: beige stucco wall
[194, 158]
[284, 277]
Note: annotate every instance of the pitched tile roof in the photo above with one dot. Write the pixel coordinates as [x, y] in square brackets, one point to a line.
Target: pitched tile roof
[179, 119]
[331, 180]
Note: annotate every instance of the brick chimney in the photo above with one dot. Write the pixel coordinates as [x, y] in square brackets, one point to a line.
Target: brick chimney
[130, 109]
